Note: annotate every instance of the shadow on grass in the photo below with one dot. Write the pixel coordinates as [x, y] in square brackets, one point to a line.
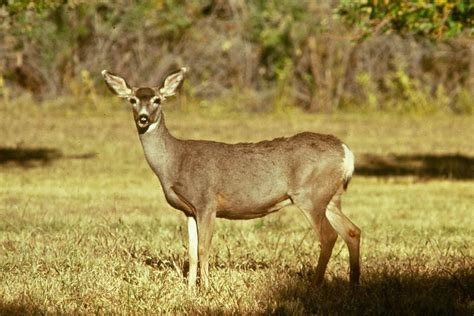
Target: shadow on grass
[425, 166]
[164, 261]
[380, 294]
[34, 157]
[20, 308]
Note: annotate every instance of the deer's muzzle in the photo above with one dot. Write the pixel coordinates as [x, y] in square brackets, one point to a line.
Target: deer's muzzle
[143, 120]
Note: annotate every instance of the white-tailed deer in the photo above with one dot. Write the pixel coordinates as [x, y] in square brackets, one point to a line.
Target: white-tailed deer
[207, 179]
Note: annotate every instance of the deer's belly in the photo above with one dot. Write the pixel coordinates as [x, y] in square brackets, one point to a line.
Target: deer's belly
[245, 209]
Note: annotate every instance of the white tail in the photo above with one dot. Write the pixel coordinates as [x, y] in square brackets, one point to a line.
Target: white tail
[206, 179]
[347, 165]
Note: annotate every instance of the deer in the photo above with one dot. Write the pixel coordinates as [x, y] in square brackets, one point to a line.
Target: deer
[207, 179]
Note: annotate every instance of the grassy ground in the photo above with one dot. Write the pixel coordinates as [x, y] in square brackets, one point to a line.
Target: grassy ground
[84, 227]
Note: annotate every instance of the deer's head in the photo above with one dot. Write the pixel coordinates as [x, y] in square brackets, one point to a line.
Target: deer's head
[146, 102]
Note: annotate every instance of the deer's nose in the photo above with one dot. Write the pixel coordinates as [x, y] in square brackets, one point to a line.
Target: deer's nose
[143, 119]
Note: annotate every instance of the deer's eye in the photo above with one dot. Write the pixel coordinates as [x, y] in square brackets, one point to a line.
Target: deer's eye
[133, 101]
[156, 101]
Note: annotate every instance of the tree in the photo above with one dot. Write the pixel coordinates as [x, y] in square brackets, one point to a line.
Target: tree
[434, 19]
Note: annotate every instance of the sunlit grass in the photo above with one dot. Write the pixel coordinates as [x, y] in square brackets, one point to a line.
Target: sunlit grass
[96, 235]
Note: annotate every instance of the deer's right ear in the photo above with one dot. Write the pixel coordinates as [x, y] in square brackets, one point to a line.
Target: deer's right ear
[117, 84]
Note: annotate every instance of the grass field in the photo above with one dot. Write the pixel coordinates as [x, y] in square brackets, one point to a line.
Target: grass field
[85, 228]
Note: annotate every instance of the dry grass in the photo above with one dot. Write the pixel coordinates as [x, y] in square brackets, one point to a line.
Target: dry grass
[93, 233]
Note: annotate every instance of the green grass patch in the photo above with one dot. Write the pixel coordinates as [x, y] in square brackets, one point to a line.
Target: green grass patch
[84, 226]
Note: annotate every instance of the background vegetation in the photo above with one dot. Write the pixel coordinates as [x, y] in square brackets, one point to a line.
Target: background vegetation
[409, 56]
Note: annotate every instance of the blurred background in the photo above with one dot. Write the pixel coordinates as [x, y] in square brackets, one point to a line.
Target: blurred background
[320, 56]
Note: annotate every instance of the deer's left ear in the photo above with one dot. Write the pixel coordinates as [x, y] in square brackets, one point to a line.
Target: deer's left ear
[172, 83]
[117, 84]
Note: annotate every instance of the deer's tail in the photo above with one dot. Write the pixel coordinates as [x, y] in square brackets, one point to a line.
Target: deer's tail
[347, 166]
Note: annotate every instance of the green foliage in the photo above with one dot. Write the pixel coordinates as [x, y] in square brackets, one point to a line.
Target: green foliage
[464, 104]
[59, 26]
[404, 94]
[371, 100]
[293, 52]
[165, 19]
[280, 28]
[19, 7]
[409, 95]
[436, 19]
[283, 97]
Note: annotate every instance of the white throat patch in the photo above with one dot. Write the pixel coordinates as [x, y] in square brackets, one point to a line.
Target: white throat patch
[153, 126]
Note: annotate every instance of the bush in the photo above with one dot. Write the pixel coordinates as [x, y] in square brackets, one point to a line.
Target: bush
[301, 52]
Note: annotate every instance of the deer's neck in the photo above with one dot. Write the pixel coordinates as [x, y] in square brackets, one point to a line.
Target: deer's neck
[161, 149]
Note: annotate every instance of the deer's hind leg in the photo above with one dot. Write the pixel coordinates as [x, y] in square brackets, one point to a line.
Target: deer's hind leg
[348, 231]
[315, 213]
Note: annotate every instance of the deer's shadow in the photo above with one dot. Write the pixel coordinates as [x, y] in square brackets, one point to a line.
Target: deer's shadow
[35, 157]
[451, 166]
[381, 293]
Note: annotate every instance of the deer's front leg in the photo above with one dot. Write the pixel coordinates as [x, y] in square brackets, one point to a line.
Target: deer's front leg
[192, 251]
[205, 230]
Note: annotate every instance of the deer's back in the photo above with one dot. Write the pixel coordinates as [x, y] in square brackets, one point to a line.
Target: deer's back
[283, 150]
